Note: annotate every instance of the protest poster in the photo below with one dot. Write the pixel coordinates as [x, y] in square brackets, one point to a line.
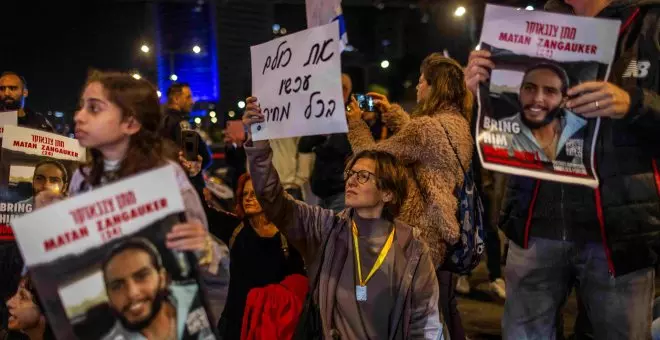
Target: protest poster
[524, 127]
[88, 255]
[32, 161]
[321, 12]
[7, 118]
[297, 79]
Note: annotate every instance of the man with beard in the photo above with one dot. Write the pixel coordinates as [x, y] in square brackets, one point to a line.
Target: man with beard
[146, 305]
[601, 241]
[48, 175]
[547, 129]
[13, 91]
[175, 119]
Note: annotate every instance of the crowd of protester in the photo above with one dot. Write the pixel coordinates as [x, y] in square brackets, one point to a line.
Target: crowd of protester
[360, 255]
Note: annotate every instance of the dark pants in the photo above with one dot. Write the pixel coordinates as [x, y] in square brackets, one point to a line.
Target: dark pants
[492, 200]
[448, 305]
[493, 251]
[540, 278]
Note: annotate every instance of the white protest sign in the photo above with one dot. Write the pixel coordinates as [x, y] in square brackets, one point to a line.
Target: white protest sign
[89, 220]
[7, 118]
[41, 143]
[297, 80]
[553, 36]
[321, 12]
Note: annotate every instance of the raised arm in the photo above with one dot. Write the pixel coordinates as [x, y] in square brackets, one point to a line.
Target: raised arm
[302, 224]
[414, 142]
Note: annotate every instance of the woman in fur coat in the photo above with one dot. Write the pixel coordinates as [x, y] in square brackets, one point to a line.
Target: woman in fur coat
[427, 141]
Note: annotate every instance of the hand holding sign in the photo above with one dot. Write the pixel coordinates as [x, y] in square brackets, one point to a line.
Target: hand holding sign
[599, 99]
[478, 69]
[252, 115]
[188, 236]
[46, 198]
[297, 79]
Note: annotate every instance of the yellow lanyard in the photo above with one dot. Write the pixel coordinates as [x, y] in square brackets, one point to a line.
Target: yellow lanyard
[379, 260]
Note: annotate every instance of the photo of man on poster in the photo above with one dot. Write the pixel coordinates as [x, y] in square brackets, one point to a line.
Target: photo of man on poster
[147, 305]
[546, 128]
[48, 175]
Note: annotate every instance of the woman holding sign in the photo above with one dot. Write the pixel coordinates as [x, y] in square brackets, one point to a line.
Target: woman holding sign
[371, 276]
[118, 121]
[436, 146]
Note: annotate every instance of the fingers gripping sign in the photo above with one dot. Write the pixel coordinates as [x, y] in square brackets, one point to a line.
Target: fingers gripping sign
[297, 79]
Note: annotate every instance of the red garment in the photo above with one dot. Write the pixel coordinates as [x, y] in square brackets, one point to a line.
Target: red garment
[272, 312]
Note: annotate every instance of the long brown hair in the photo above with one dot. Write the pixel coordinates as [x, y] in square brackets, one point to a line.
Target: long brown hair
[135, 98]
[448, 89]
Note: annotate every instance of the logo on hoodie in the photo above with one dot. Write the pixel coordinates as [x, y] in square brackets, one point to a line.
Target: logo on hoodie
[637, 69]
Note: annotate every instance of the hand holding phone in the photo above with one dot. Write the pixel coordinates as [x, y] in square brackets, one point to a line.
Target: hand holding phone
[190, 144]
[366, 102]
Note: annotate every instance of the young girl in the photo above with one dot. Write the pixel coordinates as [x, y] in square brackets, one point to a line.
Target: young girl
[26, 316]
[118, 122]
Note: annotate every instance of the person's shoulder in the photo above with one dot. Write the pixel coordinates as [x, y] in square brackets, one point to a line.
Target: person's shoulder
[180, 174]
[77, 181]
[410, 236]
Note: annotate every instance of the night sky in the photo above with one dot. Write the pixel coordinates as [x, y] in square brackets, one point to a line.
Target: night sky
[54, 43]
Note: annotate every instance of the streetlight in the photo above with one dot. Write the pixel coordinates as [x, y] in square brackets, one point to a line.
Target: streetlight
[460, 11]
[241, 104]
[212, 114]
[197, 49]
[385, 64]
[231, 114]
[159, 94]
[214, 120]
[173, 77]
[144, 49]
[198, 120]
[137, 76]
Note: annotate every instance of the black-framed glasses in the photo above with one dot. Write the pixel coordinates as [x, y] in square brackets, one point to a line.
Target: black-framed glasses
[362, 175]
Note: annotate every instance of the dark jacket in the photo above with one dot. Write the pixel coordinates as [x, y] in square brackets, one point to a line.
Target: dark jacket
[35, 120]
[624, 211]
[308, 228]
[171, 126]
[332, 151]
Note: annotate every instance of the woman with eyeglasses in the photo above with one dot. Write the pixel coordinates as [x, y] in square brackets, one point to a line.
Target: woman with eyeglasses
[370, 274]
[435, 144]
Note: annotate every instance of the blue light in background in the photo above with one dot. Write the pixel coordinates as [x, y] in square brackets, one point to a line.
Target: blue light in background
[179, 28]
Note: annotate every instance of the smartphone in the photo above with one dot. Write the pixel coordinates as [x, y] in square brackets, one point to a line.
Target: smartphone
[190, 144]
[365, 102]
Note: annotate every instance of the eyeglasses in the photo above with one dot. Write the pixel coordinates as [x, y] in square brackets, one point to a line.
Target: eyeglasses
[362, 175]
